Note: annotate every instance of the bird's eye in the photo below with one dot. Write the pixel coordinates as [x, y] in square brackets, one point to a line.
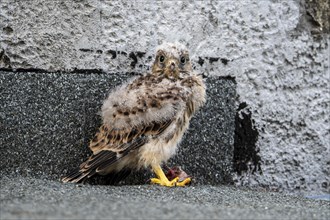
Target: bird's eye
[161, 59]
[183, 60]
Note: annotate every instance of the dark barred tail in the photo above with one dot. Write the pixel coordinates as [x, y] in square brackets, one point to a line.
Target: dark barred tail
[89, 168]
[102, 161]
[76, 176]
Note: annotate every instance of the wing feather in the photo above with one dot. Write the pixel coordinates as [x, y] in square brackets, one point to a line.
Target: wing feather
[108, 155]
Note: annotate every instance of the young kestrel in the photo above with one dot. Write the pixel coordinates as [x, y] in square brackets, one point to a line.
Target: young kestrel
[145, 119]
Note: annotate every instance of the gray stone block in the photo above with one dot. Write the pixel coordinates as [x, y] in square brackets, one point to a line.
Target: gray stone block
[47, 120]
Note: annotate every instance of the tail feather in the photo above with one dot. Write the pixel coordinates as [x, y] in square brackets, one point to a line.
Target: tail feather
[75, 176]
[89, 167]
[102, 161]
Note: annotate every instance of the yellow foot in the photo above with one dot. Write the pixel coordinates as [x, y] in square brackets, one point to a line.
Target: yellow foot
[163, 181]
[174, 182]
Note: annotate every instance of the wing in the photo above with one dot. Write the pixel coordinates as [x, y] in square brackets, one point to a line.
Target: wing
[112, 150]
[119, 140]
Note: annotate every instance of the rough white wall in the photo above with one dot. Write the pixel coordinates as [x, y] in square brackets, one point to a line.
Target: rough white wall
[281, 69]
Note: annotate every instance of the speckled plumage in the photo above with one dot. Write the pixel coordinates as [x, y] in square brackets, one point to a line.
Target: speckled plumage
[145, 119]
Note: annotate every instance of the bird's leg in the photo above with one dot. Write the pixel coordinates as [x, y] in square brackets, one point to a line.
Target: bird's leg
[163, 181]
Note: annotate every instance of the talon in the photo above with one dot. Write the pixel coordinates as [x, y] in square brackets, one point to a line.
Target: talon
[184, 182]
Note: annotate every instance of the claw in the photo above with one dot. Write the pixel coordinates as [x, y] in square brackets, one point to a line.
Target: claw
[184, 182]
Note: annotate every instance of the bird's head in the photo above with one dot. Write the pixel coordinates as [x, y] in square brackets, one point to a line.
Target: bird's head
[172, 60]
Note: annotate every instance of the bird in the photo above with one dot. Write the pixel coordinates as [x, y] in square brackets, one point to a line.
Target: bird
[144, 120]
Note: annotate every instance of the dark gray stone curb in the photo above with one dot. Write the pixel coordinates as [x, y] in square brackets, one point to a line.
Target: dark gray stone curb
[47, 120]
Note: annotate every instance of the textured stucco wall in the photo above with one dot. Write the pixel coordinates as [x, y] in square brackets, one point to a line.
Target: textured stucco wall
[278, 52]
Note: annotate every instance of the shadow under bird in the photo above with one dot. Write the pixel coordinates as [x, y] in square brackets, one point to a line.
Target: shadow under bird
[144, 120]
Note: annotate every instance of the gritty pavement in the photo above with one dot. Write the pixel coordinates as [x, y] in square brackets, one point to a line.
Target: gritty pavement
[31, 198]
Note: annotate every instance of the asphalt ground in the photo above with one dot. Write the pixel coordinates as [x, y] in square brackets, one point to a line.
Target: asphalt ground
[32, 198]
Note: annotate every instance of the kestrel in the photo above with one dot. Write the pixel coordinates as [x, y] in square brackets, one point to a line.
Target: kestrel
[145, 119]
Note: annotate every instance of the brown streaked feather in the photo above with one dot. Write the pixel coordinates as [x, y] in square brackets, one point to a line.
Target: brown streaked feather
[103, 159]
[109, 154]
[135, 144]
[114, 139]
[145, 100]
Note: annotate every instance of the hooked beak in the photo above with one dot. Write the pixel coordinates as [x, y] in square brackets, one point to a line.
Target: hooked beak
[172, 69]
[171, 65]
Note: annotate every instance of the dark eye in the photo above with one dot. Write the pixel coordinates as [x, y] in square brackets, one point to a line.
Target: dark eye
[161, 59]
[183, 60]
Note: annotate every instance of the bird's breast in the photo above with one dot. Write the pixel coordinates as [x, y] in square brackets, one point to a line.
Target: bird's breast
[162, 148]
